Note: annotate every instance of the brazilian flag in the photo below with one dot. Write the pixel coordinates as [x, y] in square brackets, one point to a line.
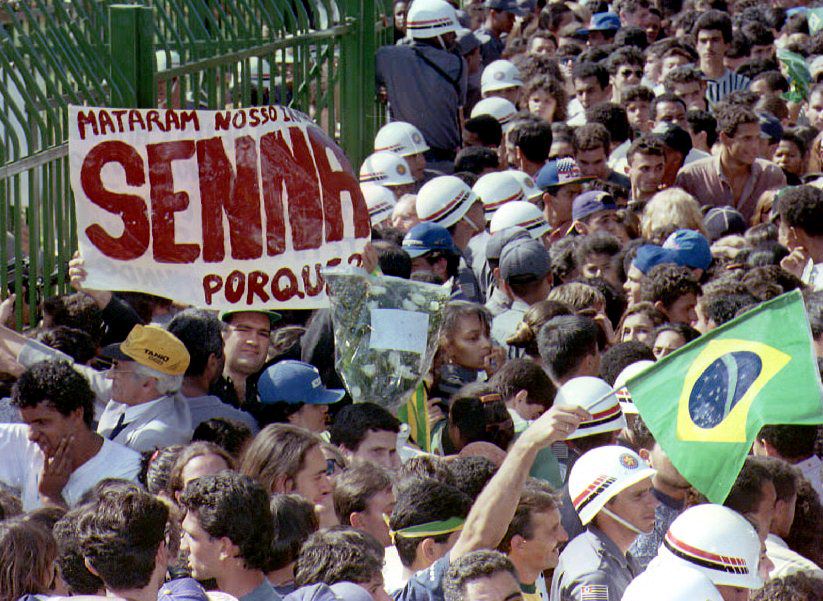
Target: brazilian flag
[798, 73]
[706, 402]
[415, 413]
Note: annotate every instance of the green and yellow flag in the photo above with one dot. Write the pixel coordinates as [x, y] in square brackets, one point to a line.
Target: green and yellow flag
[706, 402]
[415, 413]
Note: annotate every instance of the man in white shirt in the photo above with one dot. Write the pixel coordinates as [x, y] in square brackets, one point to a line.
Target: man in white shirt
[800, 229]
[144, 412]
[56, 456]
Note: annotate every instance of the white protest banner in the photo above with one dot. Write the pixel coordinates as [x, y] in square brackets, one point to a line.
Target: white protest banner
[220, 209]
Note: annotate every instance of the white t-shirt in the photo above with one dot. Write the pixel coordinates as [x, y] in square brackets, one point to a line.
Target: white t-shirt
[22, 462]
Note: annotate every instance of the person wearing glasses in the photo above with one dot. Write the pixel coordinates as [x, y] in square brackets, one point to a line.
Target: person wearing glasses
[145, 412]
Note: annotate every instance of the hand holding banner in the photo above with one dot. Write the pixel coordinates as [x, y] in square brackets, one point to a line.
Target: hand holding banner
[220, 209]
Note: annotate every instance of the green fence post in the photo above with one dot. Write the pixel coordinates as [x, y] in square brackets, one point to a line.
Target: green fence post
[132, 56]
[351, 86]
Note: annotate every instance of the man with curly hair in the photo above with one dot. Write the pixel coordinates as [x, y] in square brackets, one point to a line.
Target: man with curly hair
[55, 455]
[227, 533]
[735, 177]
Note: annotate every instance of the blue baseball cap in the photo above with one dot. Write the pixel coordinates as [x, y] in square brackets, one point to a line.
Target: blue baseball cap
[428, 237]
[602, 22]
[691, 247]
[559, 172]
[592, 202]
[295, 382]
[651, 255]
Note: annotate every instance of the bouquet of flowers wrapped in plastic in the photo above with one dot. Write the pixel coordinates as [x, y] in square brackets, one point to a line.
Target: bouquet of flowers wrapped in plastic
[385, 332]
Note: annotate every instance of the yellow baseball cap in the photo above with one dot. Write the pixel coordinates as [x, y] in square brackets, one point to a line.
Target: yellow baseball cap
[153, 347]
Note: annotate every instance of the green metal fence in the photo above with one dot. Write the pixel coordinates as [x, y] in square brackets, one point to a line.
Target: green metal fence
[314, 55]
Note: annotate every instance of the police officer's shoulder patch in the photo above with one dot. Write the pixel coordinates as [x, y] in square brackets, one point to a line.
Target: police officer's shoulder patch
[594, 592]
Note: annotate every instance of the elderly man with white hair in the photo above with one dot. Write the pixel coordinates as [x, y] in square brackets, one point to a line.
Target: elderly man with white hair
[144, 413]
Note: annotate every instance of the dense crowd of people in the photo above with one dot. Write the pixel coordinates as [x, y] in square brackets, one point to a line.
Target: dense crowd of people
[598, 185]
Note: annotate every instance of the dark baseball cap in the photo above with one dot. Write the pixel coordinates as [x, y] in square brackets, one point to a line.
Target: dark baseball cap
[724, 221]
[295, 382]
[509, 6]
[592, 202]
[500, 239]
[651, 255]
[524, 261]
[770, 127]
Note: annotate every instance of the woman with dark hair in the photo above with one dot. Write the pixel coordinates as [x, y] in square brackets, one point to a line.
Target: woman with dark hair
[465, 352]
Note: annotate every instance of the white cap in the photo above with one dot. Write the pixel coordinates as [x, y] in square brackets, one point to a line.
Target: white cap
[717, 541]
[623, 395]
[530, 188]
[672, 582]
[386, 169]
[496, 189]
[444, 200]
[499, 75]
[400, 138]
[380, 202]
[499, 108]
[522, 214]
[597, 397]
[601, 474]
[431, 18]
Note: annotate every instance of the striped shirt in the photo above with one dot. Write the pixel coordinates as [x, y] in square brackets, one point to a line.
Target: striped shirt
[727, 83]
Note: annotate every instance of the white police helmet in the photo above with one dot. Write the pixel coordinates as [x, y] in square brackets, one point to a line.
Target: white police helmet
[600, 474]
[444, 200]
[386, 169]
[431, 18]
[496, 189]
[499, 108]
[499, 75]
[717, 541]
[530, 188]
[380, 202]
[672, 582]
[400, 138]
[520, 213]
[599, 399]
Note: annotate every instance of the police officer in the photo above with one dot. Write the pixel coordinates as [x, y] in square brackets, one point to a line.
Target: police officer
[426, 82]
[448, 201]
[611, 490]
[720, 543]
